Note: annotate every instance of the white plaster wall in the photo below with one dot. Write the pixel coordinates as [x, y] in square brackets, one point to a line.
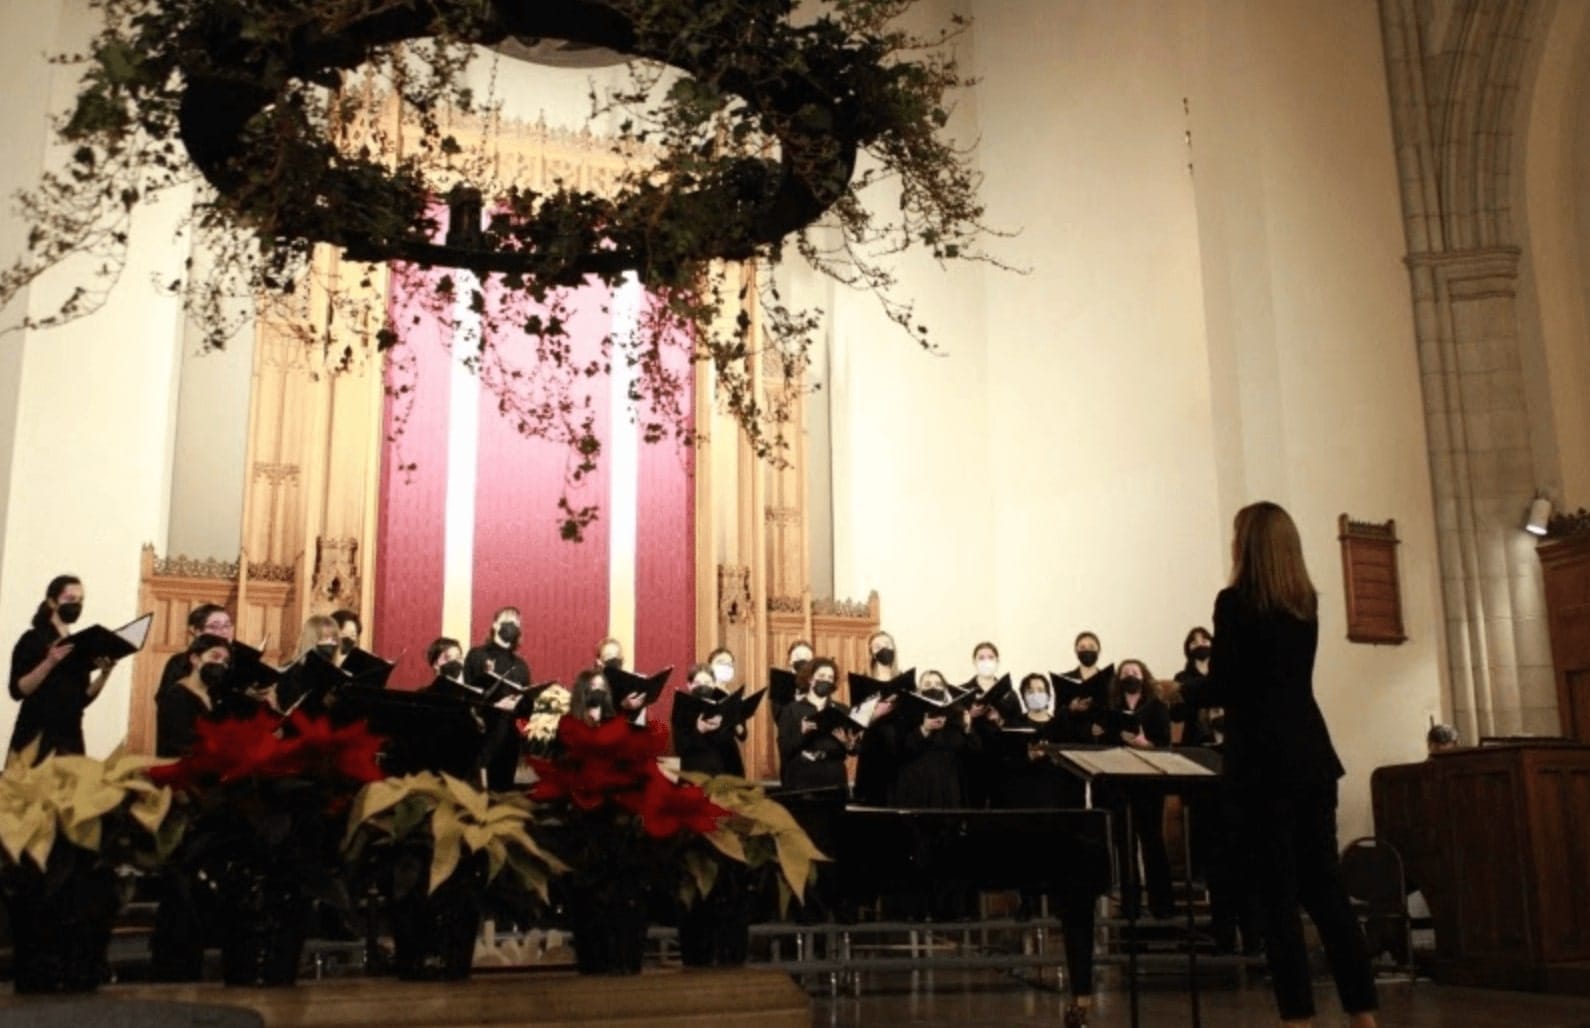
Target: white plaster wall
[1185, 342]
[914, 490]
[211, 449]
[1101, 443]
[94, 420]
[1335, 424]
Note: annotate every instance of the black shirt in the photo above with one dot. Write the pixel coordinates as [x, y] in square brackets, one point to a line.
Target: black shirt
[177, 712]
[54, 712]
[502, 661]
[176, 668]
[1183, 713]
[715, 753]
[809, 760]
[1078, 727]
[929, 771]
[1150, 715]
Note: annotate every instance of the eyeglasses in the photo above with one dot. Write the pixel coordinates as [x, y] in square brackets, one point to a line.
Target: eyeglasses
[214, 625]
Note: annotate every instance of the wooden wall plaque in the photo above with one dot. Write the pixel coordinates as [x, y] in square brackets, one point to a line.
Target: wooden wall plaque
[1373, 587]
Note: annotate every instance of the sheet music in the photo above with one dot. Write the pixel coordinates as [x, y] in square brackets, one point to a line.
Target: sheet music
[136, 631]
[1115, 761]
[862, 714]
[1172, 763]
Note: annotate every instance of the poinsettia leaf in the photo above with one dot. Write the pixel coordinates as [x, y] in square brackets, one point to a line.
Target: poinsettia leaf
[84, 834]
[17, 826]
[795, 861]
[476, 837]
[41, 842]
[410, 814]
[376, 798]
[471, 798]
[703, 870]
[151, 809]
[727, 843]
[496, 857]
[92, 798]
[447, 834]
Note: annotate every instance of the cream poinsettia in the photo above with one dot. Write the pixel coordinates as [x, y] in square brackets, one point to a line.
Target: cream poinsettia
[71, 797]
[461, 818]
[759, 830]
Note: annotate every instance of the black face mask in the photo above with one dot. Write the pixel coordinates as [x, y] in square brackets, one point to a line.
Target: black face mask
[508, 632]
[613, 663]
[452, 669]
[799, 665]
[884, 656]
[1087, 658]
[822, 687]
[214, 675]
[69, 612]
[1131, 686]
[1218, 724]
[347, 645]
[327, 650]
[1200, 652]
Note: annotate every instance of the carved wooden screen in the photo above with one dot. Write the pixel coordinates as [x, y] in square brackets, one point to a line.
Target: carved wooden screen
[1371, 582]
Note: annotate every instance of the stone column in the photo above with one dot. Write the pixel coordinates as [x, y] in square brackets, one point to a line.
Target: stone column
[1454, 72]
[1482, 473]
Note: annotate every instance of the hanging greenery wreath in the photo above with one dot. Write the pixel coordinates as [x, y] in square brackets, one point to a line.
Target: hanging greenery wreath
[764, 126]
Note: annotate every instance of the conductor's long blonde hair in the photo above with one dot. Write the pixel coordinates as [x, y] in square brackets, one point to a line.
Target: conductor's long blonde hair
[1267, 563]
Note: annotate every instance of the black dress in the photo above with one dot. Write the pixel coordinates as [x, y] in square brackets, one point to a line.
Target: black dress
[1071, 686]
[878, 757]
[1185, 714]
[1152, 717]
[809, 760]
[502, 749]
[715, 753]
[177, 711]
[1030, 784]
[175, 670]
[930, 766]
[53, 714]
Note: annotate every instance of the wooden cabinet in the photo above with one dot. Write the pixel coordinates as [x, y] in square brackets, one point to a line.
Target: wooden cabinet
[1498, 839]
[1565, 562]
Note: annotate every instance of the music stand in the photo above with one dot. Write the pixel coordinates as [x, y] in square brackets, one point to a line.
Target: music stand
[424, 732]
[1153, 772]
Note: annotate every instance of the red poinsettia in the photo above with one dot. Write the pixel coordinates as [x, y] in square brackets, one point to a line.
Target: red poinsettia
[668, 808]
[264, 747]
[615, 763]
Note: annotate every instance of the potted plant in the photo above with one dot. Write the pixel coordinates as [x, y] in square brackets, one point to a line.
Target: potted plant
[729, 868]
[265, 800]
[434, 844]
[66, 824]
[623, 827]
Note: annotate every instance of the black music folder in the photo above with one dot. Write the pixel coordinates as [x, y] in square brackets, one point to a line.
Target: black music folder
[96, 641]
[863, 688]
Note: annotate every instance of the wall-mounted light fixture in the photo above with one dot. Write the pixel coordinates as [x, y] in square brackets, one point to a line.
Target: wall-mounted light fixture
[1539, 516]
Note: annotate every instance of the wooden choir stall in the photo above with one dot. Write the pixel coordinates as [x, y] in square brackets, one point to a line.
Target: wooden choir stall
[1496, 839]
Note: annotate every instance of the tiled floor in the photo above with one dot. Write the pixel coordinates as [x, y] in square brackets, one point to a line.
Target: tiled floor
[975, 998]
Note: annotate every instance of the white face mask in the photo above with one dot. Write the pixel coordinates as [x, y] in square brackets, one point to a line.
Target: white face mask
[724, 673]
[987, 666]
[1038, 701]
